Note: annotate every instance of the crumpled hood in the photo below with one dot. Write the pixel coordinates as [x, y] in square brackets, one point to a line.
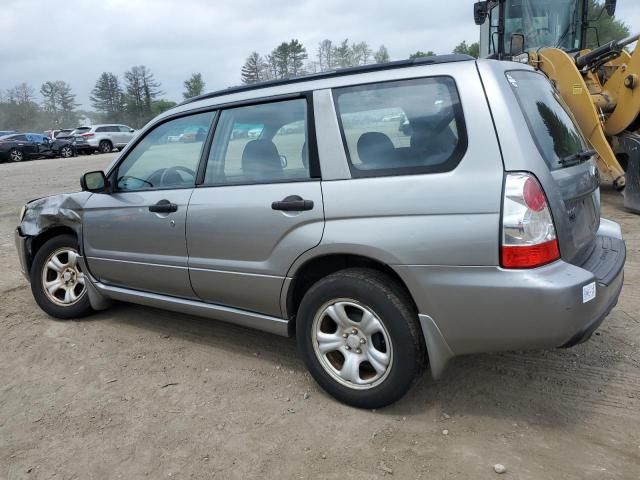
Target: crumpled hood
[57, 210]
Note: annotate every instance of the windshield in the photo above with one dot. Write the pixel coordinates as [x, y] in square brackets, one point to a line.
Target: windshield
[539, 23]
[552, 126]
[546, 23]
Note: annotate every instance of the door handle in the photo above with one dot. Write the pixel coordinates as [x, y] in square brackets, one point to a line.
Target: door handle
[293, 203]
[163, 206]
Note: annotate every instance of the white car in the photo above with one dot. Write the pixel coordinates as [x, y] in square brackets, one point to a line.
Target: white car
[104, 138]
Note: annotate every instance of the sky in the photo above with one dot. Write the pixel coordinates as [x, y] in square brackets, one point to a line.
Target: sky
[77, 40]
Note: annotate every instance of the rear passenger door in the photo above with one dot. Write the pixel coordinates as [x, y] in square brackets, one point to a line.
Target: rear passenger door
[258, 207]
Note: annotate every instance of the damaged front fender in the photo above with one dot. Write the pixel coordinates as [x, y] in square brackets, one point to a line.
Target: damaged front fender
[64, 210]
[46, 214]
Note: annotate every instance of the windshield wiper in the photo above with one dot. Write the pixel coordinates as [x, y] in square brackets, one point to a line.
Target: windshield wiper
[577, 158]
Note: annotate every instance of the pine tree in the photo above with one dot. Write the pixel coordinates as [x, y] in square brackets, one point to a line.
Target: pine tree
[59, 103]
[107, 97]
[297, 56]
[342, 54]
[253, 69]
[382, 55]
[141, 89]
[194, 86]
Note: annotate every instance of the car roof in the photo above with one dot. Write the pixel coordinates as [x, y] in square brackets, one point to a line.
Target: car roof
[433, 60]
[101, 125]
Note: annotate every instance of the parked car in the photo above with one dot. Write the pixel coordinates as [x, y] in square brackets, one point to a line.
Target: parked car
[79, 143]
[56, 133]
[483, 233]
[104, 138]
[26, 146]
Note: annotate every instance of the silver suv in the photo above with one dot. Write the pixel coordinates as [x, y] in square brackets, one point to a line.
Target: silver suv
[104, 138]
[386, 216]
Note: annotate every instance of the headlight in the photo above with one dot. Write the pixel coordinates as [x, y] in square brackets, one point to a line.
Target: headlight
[23, 210]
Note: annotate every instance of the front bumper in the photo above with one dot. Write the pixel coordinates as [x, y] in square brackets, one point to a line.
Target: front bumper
[23, 253]
[485, 309]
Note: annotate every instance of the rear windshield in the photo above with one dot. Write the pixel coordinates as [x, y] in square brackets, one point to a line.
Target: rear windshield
[551, 123]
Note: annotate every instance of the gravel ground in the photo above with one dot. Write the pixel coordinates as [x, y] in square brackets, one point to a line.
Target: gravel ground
[135, 392]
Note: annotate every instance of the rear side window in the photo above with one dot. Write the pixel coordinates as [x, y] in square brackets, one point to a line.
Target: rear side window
[552, 125]
[402, 127]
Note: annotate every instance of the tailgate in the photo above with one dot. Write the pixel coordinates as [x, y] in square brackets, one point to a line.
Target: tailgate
[568, 174]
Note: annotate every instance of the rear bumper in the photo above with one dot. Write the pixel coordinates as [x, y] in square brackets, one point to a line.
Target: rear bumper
[485, 309]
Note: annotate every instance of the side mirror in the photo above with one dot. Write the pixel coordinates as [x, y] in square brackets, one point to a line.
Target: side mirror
[131, 130]
[480, 12]
[517, 44]
[610, 7]
[93, 181]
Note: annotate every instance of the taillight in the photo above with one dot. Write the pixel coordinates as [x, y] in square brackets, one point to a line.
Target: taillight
[87, 135]
[528, 234]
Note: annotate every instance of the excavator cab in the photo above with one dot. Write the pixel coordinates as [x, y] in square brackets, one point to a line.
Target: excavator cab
[509, 28]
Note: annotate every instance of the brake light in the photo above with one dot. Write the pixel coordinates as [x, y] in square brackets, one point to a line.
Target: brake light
[87, 135]
[528, 233]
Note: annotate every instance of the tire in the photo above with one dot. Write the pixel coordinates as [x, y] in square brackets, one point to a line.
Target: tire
[379, 321]
[105, 146]
[66, 152]
[46, 269]
[16, 155]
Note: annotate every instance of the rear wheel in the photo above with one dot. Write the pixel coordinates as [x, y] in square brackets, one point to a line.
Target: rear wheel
[57, 281]
[16, 155]
[359, 335]
[105, 146]
[66, 152]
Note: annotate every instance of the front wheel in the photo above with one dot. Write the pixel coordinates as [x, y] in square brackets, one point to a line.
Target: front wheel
[57, 281]
[16, 155]
[359, 335]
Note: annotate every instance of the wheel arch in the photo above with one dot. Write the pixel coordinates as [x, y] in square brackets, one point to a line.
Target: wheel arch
[319, 266]
[36, 242]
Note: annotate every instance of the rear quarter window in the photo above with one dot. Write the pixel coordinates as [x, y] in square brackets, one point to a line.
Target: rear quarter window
[402, 127]
[553, 127]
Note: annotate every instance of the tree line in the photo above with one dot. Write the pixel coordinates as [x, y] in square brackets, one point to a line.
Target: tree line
[291, 59]
[133, 101]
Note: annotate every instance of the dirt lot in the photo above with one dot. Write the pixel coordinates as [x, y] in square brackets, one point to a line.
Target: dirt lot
[140, 393]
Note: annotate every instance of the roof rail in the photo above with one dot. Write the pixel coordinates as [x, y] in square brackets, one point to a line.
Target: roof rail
[334, 73]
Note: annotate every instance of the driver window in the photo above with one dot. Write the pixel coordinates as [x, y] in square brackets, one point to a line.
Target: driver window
[168, 156]
[408, 126]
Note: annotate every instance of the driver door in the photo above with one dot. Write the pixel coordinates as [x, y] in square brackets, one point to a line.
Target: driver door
[134, 236]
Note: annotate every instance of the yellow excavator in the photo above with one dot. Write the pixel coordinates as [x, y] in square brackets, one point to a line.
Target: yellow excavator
[600, 86]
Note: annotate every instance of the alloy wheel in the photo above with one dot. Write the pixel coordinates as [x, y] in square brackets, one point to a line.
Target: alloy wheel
[63, 282]
[352, 344]
[16, 155]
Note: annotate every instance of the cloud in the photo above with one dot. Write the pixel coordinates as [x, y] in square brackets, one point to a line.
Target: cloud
[80, 39]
